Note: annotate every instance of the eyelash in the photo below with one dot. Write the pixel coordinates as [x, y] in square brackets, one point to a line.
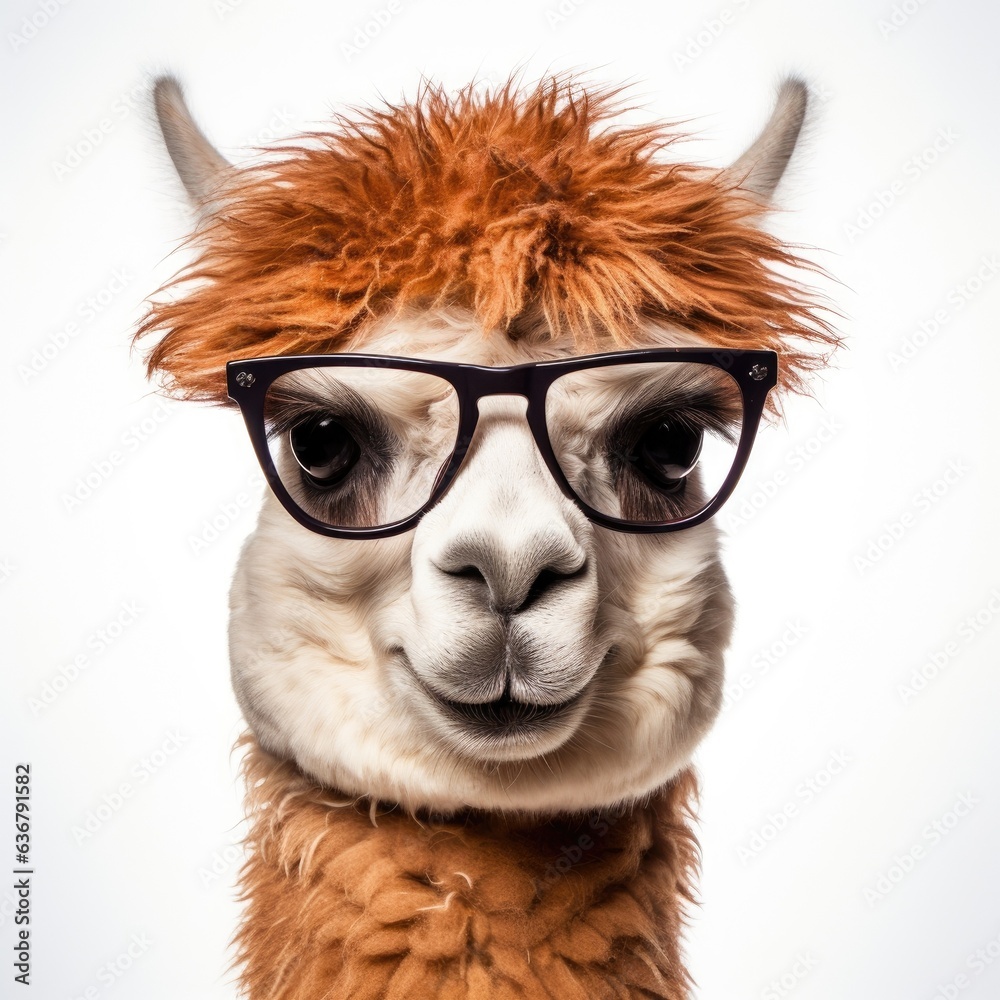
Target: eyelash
[295, 413]
[700, 418]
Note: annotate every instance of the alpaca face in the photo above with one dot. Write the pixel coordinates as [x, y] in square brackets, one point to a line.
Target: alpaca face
[506, 652]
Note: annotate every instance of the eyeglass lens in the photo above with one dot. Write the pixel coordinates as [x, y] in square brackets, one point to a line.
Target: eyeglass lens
[646, 443]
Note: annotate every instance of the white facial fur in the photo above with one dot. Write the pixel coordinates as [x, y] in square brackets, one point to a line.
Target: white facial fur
[342, 650]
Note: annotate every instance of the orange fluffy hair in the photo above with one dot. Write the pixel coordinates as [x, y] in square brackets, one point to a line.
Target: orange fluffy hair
[580, 908]
[515, 205]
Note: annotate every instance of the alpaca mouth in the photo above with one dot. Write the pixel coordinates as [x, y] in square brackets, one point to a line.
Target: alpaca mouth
[503, 720]
[505, 716]
[504, 728]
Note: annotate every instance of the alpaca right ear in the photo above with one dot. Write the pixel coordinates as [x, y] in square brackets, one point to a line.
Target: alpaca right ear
[200, 166]
[761, 165]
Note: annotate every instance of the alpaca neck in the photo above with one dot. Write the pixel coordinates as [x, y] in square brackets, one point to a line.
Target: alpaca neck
[344, 903]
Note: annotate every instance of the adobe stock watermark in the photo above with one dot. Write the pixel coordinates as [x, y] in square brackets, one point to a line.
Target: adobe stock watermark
[955, 301]
[35, 22]
[7, 570]
[87, 310]
[562, 12]
[708, 34]
[932, 836]
[276, 641]
[970, 628]
[365, 32]
[901, 12]
[598, 826]
[280, 124]
[763, 662]
[977, 962]
[94, 135]
[805, 792]
[8, 906]
[97, 642]
[911, 171]
[373, 709]
[130, 441]
[98, 817]
[820, 92]
[783, 985]
[795, 461]
[896, 528]
[223, 8]
[220, 864]
[226, 515]
[110, 972]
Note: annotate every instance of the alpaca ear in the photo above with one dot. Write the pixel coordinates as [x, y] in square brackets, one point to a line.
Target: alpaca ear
[200, 166]
[760, 167]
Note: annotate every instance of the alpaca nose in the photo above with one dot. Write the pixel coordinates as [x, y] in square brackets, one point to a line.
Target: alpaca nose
[514, 573]
[504, 588]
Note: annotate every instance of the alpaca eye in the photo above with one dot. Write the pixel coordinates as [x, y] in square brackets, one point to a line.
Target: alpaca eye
[667, 452]
[324, 449]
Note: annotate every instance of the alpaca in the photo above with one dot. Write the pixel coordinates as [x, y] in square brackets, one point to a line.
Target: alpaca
[500, 361]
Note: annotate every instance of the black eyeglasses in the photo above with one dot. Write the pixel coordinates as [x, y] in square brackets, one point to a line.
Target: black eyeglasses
[360, 446]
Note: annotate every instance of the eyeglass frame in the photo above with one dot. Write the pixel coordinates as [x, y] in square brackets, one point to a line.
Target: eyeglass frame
[754, 371]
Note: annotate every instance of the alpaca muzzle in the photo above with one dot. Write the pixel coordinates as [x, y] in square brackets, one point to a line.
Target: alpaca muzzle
[501, 695]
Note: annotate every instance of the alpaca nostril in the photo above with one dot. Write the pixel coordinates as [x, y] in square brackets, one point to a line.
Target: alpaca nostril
[467, 572]
[473, 574]
[506, 600]
[547, 581]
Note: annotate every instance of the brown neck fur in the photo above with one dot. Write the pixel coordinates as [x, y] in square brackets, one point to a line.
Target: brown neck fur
[344, 903]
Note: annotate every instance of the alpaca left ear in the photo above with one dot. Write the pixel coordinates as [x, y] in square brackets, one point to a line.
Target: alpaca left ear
[760, 167]
[200, 166]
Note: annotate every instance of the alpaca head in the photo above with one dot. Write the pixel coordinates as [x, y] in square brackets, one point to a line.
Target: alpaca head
[505, 644]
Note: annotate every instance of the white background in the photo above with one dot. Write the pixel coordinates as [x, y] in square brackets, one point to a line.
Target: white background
[904, 226]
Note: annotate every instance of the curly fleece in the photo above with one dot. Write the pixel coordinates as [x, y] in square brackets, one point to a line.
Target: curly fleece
[527, 208]
[346, 903]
